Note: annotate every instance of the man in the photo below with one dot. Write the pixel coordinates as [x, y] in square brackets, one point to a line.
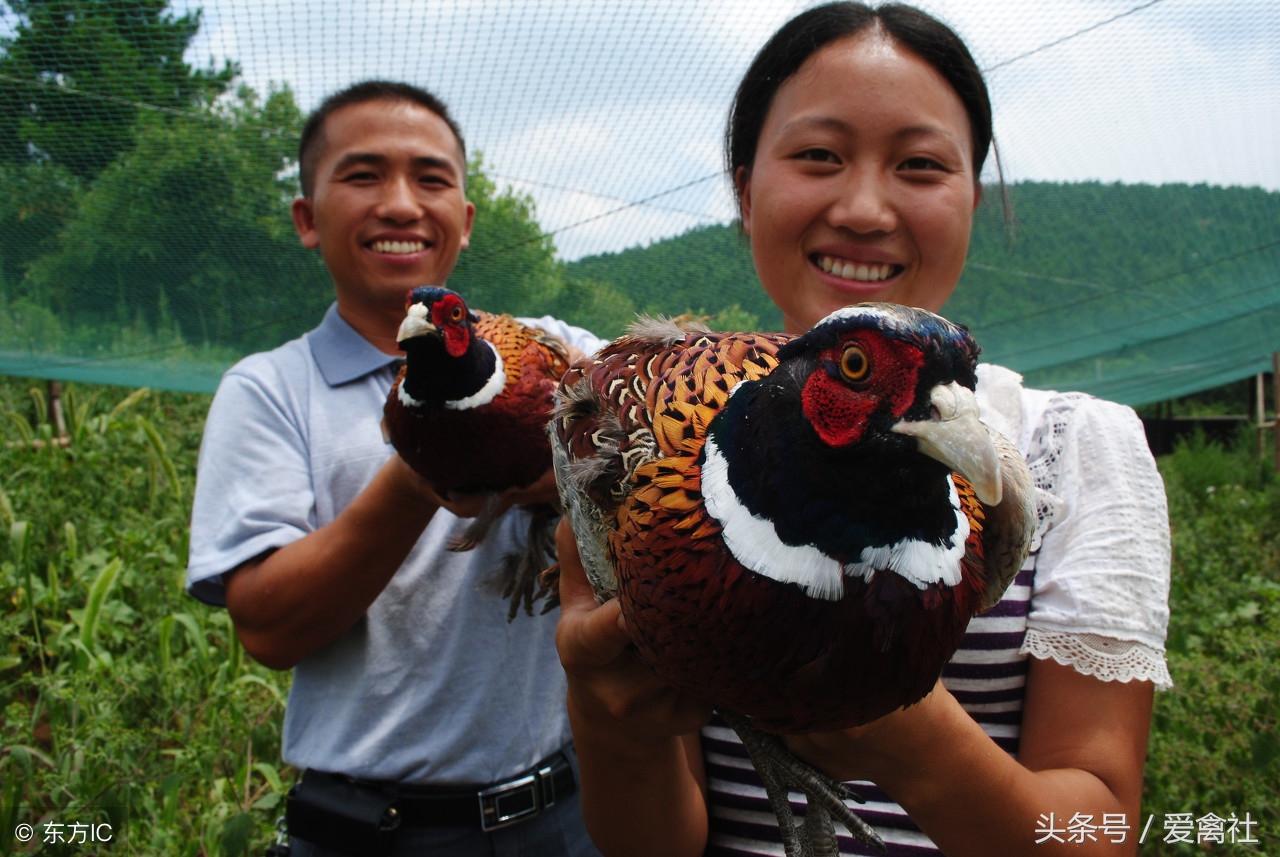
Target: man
[425, 722]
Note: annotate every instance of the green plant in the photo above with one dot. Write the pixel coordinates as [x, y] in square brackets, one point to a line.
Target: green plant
[125, 701]
[1215, 740]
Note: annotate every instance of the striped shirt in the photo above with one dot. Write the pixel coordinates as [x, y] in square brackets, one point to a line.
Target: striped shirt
[986, 675]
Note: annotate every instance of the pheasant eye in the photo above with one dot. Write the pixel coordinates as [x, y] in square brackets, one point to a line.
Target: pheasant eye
[854, 363]
[455, 314]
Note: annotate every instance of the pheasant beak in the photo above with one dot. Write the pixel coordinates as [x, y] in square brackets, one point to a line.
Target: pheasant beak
[955, 436]
[416, 324]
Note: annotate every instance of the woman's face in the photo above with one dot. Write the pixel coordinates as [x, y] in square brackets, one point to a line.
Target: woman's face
[862, 186]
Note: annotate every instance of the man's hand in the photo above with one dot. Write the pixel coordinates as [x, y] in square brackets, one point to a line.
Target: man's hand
[541, 492]
[460, 504]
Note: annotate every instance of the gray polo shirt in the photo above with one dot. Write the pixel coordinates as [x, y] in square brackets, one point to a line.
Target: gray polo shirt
[433, 685]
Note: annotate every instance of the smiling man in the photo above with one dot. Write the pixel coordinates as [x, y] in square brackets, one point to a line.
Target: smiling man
[423, 721]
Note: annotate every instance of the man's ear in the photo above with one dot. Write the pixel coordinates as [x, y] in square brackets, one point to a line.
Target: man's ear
[977, 194]
[742, 187]
[466, 229]
[304, 222]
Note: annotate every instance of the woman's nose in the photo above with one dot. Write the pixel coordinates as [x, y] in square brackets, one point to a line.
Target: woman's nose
[864, 203]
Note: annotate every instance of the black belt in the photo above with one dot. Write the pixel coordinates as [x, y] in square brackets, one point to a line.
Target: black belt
[490, 807]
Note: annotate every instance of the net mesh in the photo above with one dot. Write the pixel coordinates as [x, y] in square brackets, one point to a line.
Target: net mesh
[147, 163]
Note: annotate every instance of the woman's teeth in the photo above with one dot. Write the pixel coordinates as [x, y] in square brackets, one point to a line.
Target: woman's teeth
[399, 247]
[867, 273]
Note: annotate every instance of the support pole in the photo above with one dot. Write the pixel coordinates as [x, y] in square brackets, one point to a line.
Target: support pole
[1275, 402]
[1260, 412]
[55, 410]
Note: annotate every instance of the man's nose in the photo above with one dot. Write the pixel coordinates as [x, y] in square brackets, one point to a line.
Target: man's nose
[399, 202]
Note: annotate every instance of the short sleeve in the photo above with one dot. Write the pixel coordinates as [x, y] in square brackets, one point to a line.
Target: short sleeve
[580, 338]
[1100, 602]
[253, 485]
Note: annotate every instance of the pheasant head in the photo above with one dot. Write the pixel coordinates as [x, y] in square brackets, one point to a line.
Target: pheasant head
[839, 462]
[447, 364]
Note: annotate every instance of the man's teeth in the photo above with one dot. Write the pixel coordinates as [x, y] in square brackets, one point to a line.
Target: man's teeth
[855, 271]
[399, 246]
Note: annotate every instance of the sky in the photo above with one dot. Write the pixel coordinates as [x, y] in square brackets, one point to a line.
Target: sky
[609, 115]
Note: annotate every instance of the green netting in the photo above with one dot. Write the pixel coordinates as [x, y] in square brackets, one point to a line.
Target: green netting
[146, 166]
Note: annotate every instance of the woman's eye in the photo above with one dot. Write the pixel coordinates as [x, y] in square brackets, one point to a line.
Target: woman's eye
[819, 155]
[921, 163]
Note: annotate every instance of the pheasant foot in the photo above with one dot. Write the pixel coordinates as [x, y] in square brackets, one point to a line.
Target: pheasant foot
[781, 771]
[523, 582]
[494, 506]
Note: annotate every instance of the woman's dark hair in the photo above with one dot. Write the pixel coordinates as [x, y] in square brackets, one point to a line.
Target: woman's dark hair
[810, 31]
[312, 141]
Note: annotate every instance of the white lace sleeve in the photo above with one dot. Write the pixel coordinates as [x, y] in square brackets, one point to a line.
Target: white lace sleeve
[1100, 602]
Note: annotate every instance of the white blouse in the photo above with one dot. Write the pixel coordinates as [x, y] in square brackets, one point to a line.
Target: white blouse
[1100, 601]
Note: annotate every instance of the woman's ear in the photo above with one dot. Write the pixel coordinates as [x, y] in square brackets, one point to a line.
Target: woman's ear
[742, 187]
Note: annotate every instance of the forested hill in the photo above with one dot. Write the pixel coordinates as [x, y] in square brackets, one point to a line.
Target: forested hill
[1095, 251]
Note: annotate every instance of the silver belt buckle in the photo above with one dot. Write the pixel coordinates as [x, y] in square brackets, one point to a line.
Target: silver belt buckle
[509, 803]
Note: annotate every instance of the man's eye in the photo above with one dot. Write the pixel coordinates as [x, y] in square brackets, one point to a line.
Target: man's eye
[362, 176]
[438, 181]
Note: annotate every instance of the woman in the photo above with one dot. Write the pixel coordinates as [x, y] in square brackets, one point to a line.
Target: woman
[855, 145]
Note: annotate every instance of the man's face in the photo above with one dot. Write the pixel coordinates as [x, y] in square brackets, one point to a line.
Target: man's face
[387, 208]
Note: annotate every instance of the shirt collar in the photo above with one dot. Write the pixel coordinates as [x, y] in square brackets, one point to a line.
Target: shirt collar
[342, 354]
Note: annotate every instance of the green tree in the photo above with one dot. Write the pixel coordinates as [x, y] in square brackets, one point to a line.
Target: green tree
[597, 306]
[190, 232]
[36, 200]
[76, 75]
[510, 265]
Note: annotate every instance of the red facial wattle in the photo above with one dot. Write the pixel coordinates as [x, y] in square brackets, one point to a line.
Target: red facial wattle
[839, 410]
[449, 314]
[456, 338]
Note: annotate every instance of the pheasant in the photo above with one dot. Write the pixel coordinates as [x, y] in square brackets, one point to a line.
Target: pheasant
[468, 412]
[798, 529]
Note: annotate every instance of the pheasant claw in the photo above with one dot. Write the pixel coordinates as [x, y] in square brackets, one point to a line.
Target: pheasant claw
[781, 771]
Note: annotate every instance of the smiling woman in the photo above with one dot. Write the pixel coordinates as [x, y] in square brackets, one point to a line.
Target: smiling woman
[855, 144]
[856, 193]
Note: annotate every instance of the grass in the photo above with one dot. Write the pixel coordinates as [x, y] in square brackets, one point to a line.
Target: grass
[1215, 742]
[127, 702]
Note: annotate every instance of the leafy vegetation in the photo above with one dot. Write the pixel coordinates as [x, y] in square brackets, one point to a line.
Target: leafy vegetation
[126, 701]
[1215, 741]
[75, 75]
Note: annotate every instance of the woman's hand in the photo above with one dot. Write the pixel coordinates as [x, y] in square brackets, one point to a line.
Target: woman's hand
[643, 784]
[893, 742]
[610, 688]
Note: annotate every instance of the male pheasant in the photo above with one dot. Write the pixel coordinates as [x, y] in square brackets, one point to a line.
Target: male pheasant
[468, 412]
[798, 529]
